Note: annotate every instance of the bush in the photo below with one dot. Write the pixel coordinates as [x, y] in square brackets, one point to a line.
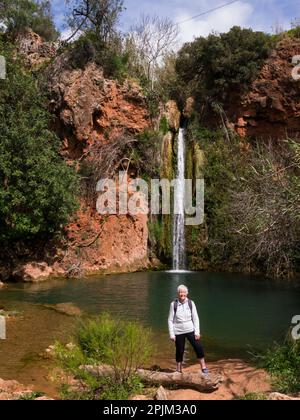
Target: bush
[252, 397]
[283, 363]
[18, 15]
[109, 55]
[295, 32]
[125, 346]
[252, 205]
[218, 65]
[37, 188]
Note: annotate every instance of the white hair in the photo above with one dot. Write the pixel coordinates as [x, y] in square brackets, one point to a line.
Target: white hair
[183, 288]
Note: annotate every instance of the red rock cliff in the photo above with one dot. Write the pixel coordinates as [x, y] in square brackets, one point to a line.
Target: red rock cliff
[271, 108]
[90, 110]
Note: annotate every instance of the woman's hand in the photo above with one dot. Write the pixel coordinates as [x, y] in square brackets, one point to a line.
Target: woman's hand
[197, 337]
[173, 339]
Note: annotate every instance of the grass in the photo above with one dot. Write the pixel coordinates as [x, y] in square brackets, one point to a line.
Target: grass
[252, 397]
[124, 346]
[282, 362]
[32, 396]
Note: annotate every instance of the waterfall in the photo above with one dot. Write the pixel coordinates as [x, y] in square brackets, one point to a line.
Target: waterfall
[179, 262]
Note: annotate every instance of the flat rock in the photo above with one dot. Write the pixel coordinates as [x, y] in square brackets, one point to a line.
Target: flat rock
[65, 308]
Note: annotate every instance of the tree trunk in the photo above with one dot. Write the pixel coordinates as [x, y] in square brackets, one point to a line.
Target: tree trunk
[191, 380]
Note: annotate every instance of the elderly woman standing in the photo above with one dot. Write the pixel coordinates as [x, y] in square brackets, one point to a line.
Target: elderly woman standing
[184, 323]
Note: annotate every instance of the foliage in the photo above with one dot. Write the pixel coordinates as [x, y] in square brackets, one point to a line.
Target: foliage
[283, 363]
[252, 205]
[125, 346]
[160, 237]
[215, 66]
[97, 16]
[109, 55]
[252, 397]
[17, 15]
[168, 84]
[295, 32]
[31, 396]
[152, 38]
[265, 211]
[37, 188]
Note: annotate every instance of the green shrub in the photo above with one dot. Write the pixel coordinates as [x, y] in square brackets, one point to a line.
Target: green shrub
[163, 125]
[252, 205]
[18, 15]
[283, 363]
[37, 188]
[32, 396]
[252, 397]
[212, 67]
[125, 346]
[295, 32]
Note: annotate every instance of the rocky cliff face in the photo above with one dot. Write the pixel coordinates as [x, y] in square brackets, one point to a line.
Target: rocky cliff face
[90, 111]
[271, 108]
[35, 51]
[90, 108]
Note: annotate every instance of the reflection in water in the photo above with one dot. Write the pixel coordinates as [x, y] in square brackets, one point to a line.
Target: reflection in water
[236, 313]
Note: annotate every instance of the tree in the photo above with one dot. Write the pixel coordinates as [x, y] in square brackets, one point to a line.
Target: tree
[17, 15]
[153, 38]
[99, 16]
[37, 188]
[215, 66]
[43, 23]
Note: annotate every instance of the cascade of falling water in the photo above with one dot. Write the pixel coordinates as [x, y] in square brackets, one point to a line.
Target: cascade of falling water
[179, 260]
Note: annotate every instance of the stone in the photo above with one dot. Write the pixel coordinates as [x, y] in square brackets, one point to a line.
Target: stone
[162, 394]
[33, 272]
[189, 107]
[140, 398]
[34, 50]
[276, 396]
[66, 309]
[173, 115]
[274, 96]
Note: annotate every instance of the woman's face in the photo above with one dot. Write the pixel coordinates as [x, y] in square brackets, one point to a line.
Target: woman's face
[182, 294]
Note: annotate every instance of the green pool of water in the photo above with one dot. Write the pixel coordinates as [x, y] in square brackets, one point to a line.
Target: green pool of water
[238, 313]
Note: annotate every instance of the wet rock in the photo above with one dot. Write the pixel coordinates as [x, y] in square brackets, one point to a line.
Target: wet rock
[66, 309]
[172, 114]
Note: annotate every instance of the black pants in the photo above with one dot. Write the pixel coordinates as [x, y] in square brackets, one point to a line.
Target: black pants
[180, 345]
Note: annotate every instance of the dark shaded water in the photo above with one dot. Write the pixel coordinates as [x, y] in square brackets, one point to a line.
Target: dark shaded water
[237, 313]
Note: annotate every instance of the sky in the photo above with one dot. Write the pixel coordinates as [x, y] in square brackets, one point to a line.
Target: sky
[262, 15]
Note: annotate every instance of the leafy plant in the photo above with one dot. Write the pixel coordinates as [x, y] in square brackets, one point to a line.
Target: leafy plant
[212, 67]
[125, 346]
[37, 188]
[283, 363]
